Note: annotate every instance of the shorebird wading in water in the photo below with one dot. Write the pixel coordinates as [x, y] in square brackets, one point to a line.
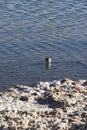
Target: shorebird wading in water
[48, 62]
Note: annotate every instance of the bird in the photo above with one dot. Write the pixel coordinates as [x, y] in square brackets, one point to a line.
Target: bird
[48, 60]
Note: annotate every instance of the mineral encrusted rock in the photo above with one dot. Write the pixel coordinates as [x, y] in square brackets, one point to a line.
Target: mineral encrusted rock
[57, 105]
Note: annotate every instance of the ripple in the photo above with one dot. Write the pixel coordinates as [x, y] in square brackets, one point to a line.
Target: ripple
[33, 30]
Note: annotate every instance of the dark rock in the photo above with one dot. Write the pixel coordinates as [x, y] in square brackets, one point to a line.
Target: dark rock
[24, 98]
[85, 83]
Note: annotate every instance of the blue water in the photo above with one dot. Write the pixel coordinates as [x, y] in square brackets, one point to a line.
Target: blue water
[31, 30]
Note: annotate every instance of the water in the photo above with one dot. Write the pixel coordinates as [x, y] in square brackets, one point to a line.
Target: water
[31, 30]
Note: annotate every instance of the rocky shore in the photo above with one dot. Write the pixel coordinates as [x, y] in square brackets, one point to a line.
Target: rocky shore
[57, 105]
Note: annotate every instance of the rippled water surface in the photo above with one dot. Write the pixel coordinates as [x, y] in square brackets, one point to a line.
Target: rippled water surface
[31, 30]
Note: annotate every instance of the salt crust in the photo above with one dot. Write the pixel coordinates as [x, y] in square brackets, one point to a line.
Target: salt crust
[57, 105]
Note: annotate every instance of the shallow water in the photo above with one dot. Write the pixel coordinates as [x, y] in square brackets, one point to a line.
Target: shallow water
[31, 30]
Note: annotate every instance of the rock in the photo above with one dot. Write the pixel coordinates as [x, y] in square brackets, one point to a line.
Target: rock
[12, 128]
[24, 98]
[57, 112]
[66, 81]
[85, 83]
[10, 90]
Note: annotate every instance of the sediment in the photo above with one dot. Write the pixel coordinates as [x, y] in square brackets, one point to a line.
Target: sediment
[56, 105]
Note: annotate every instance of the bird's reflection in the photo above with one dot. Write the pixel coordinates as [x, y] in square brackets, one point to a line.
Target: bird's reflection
[48, 66]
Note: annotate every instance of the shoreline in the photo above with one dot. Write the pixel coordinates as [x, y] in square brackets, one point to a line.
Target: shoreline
[57, 105]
